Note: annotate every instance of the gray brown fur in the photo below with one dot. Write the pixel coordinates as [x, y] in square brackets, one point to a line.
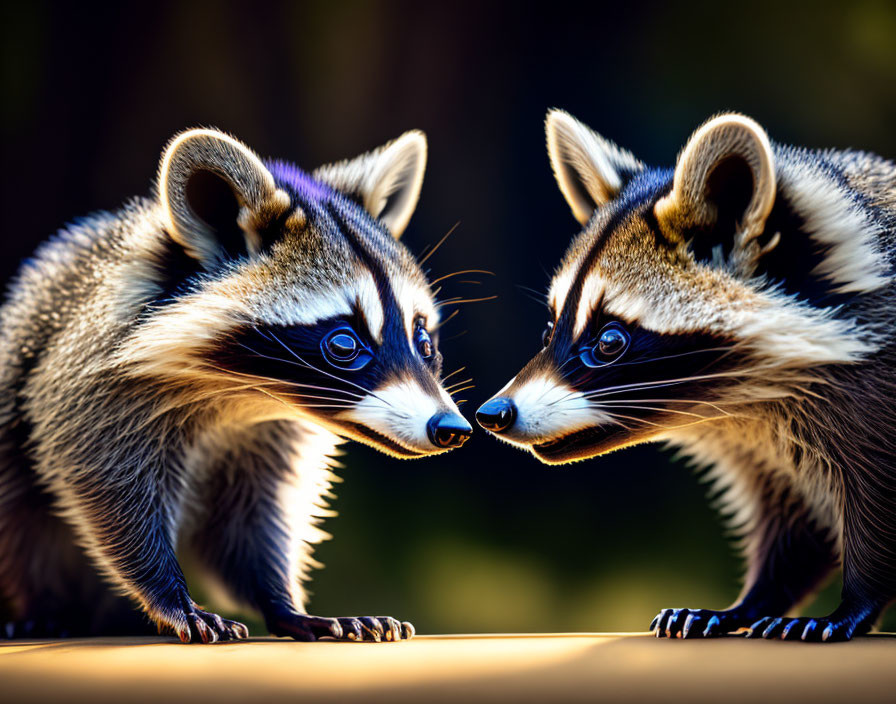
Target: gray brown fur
[121, 439]
[794, 416]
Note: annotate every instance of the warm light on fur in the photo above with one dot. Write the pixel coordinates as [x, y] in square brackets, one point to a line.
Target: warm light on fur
[756, 284]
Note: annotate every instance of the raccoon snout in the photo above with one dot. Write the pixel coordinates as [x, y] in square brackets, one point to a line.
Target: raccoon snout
[496, 415]
[448, 430]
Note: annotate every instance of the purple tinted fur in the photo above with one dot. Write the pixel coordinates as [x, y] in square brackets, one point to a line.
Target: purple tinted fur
[300, 181]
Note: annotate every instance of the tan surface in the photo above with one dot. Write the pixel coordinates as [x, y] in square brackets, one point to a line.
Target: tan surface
[543, 668]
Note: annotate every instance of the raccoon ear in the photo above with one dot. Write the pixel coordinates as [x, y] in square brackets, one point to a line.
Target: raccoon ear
[217, 194]
[724, 184]
[589, 170]
[386, 181]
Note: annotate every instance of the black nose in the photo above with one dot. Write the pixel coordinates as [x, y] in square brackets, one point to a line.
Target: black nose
[496, 415]
[448, 430]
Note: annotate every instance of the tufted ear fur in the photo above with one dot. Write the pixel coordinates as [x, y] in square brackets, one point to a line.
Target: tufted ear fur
[217, 194]
[723, 190]
[386, 181]
[589, 170]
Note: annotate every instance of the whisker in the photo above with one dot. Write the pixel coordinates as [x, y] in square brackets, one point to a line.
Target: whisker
[286, 382]
[456, 371]
[324, 405]
[673, 400]
[445, 320]
[280, 400]
[347, 403]
[618, 422]
[460, 300]
[454, 337]
[539, 301]
[465, 388]
[673, 356]
[637, 420]
[462, 271]
[325, 373]
[659, 425]
[657, 408]
[458, 383]
[432, 251]
[664, 382]
[562, 366]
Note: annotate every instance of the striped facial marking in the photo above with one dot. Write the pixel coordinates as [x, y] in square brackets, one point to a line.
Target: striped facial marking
[604, 379]
[368, 367]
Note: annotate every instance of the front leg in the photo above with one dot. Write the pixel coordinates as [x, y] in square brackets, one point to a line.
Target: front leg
[256, 522]
[787, 556]
[127, 528]
[869, 561]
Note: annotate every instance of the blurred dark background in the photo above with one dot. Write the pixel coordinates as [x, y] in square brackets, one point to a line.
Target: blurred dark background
[484, 539]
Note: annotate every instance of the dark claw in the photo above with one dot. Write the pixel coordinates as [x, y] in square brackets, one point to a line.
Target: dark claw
[673, 627]
[773, 629]
[656, 620]
[692, 620]
[757, 628]
[662, 622]
[239, 630]
[391, 626]
[712, 626]
[809, 630]
[792, 627]
[199, 626]
[351, 629]
[373, 630]
[209, 627]
[373, 624]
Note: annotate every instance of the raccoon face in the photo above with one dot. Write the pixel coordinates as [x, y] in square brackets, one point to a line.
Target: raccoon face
[690, 295]
[306, 303]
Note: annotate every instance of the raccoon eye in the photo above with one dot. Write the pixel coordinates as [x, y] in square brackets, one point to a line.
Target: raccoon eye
[423, 342]
[342, 348]
[612, 342]
[547, 334]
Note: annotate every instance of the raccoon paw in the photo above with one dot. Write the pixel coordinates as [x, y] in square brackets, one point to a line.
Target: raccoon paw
[364, 628]
[816, 630]
[696, 623]
[206, 627]
[375, 628]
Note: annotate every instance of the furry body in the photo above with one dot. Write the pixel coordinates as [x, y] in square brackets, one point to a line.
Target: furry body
[740, 307]
[144, 404]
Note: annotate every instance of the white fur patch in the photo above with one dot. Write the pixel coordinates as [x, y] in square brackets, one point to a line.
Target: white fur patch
[780, 329]
[832, 219]
[560, 285]
[415, 299]
[593, 290]
[400, 411]
[547, 410]
[304, 306]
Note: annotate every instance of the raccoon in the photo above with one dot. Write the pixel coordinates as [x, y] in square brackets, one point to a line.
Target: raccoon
[179, 374]
[741, 308]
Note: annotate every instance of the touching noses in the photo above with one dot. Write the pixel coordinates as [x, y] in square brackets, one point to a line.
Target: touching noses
[448, 430]
[496, 415]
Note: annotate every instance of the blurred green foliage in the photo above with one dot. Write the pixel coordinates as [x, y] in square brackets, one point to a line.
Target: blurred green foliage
[484, 539]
